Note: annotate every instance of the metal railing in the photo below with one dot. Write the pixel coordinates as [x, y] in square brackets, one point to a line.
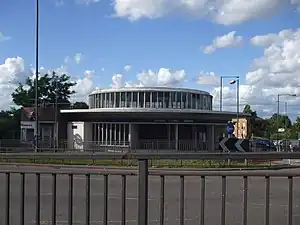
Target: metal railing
[49, 196]
[108, 146]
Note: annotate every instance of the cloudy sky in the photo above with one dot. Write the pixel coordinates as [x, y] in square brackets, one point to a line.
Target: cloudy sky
[187, 43]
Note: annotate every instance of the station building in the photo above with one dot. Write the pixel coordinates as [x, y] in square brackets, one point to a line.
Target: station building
[146, 118]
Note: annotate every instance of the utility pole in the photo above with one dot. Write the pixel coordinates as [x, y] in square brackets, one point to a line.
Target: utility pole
[37, 78]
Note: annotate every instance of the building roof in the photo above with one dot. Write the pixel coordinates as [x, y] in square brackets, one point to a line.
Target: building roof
[148, 113]
[150, 110]
[166, 89]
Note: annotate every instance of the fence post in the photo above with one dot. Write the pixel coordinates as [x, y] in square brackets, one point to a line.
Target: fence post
[143, 192]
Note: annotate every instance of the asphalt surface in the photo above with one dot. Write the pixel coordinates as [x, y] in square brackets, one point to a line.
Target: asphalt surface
[234, 199]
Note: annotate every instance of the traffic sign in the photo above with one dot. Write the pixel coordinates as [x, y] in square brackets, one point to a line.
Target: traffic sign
[230, 128]
[242, 145]
[235, 145]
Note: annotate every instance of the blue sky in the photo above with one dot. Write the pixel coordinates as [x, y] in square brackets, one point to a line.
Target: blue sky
[174, 40]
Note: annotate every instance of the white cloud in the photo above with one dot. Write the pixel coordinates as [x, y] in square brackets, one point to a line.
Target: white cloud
[210, 79]
[117, 81]
[226, 41]
[127, 68]
[223, 12]
[275, 72]
[78, 57]
[269, 39]
[84, 86]
[13, 72]
[3, 37]
[163, 77]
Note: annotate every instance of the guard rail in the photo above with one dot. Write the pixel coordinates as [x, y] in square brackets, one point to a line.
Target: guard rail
[153, 156]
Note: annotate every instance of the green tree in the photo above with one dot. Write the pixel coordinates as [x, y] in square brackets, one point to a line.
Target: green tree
[297, 124]
[258, 126]
[280, 121]
[52, 88]
[10, 124]
[80, 105]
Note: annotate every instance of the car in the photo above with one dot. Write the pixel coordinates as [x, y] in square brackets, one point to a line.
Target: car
[260, 144]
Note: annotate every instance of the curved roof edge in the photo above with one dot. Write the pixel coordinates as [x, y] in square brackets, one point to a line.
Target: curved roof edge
[148, 110]
[170, 89]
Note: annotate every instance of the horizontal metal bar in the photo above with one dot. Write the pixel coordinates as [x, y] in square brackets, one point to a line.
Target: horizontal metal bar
[163, 154]
[253, 173]
[162, 172]
[57, 172]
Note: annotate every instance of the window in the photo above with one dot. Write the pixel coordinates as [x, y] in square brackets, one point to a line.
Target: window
[147, 100]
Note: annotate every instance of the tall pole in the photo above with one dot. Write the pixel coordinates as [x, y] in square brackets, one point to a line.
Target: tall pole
[286, 121]
[237, 105]
[277, 118]
[37, 78]
[55, 124]
[221, 92]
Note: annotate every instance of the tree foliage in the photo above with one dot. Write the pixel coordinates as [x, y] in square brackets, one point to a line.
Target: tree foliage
[258, 126]
[10, 123]
[52, 88]
[268, 127]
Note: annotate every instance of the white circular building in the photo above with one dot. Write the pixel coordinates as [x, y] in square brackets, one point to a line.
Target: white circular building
[147, 118]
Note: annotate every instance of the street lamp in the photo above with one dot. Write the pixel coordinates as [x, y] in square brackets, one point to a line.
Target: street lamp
[277, 117]
[236, 80]
[37, 78]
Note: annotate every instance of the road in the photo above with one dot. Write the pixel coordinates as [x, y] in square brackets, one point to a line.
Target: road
[234, 206]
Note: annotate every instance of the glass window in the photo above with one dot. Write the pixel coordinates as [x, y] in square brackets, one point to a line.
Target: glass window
[104, 133]
[91, 101]
[154, 100]
[204, 102]
[141, 99]
[166, 99]
[122, 99]
[173, 102]
[100, 127]
[160, 99]
[117, 99]
[147, 99]
[113, 127]
[194, 100]
[183, 98]
[128, 99]
[134, 103]
[113, 98]
[178, 100]
[117, 133]
[126, 133]
[102, 100]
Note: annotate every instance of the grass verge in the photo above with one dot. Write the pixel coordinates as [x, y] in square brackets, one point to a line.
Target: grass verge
[152, 163]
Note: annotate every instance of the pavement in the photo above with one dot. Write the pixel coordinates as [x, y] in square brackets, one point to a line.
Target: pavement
[234, 199]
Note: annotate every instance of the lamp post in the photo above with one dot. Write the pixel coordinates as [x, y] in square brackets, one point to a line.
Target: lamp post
[236, 80]
[278, 111]
[37, 78]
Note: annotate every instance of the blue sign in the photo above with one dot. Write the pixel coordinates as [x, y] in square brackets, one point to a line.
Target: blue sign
[230, 128]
